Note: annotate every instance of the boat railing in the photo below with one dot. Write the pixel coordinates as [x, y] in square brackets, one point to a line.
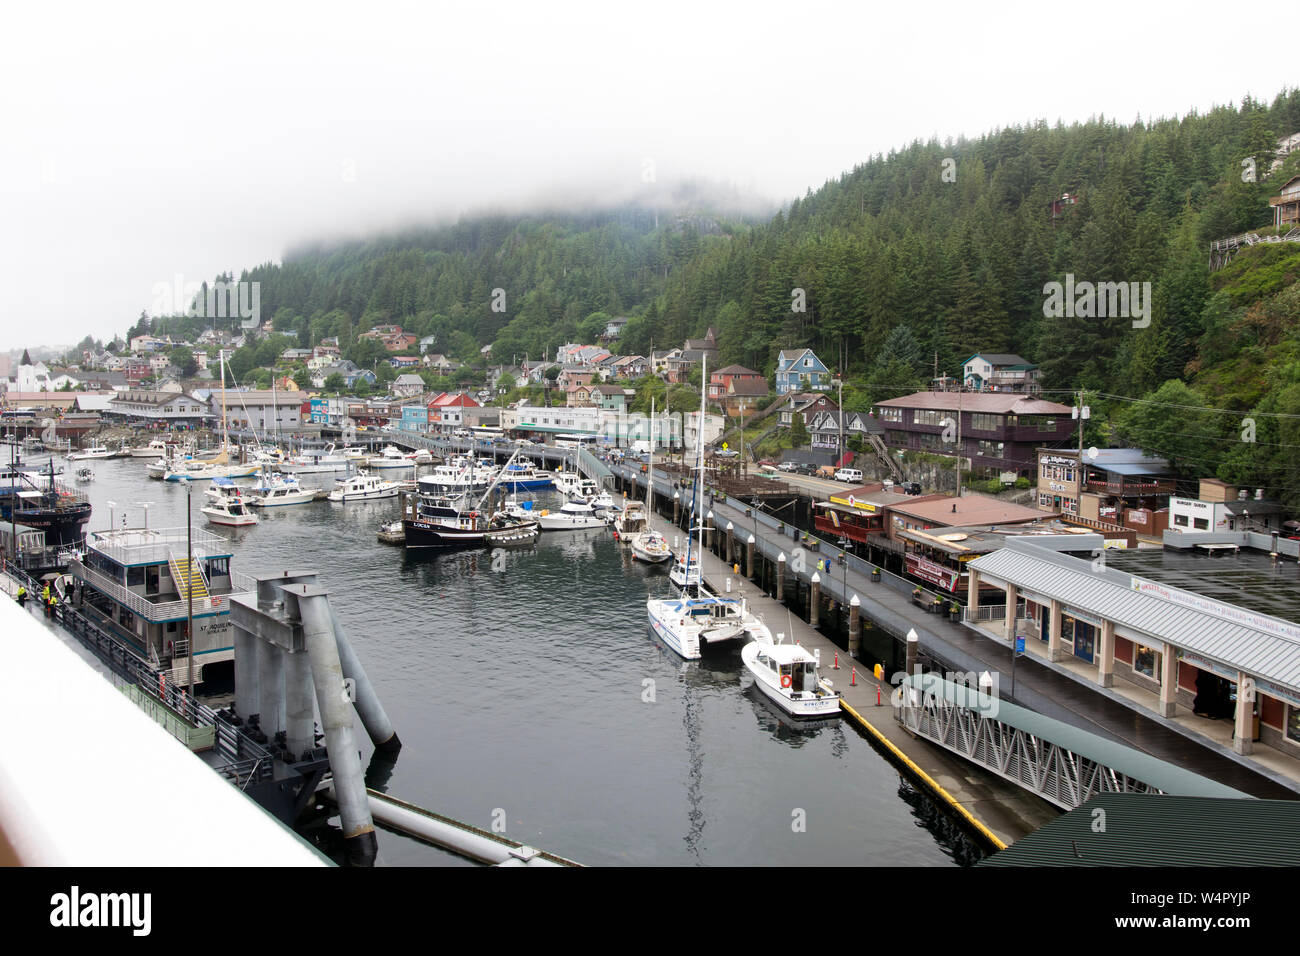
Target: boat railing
[154, 545]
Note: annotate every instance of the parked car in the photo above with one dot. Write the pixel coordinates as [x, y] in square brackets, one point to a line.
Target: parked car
[767, 463]
[792, 466]
[849, 475]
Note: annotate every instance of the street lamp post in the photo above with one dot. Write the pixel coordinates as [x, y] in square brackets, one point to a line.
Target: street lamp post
[189, 584]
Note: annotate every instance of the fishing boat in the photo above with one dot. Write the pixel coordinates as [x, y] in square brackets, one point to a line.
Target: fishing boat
[94, 451]
[457, 476]
[573, 516]
[787, 674]
[449, 521]
[651, 547]
[364, 487]
[229, 509]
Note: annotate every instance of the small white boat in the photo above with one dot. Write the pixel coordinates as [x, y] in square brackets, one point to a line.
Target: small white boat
[788, 675]
[390, 458]
[91, 453]
[275, 491]
[572, 485]
[651, 547]
[158, 448]
[85, 474]
[630, 522]
[686, 576]
[364, 487]
[317, 462]
[575, 515]
[688, 625]
[229, 510]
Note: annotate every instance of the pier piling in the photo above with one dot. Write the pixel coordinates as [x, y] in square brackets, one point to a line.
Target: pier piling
[780, 577]
[749, 557]
[855, 626]
[333, 699]
[815, 601]
[300, 723]
[270, 688]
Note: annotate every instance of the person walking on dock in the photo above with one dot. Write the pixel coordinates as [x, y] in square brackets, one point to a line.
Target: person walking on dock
[22, 596]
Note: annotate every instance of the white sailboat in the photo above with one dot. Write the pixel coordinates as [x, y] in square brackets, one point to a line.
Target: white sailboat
[648, 545]
[219, 466]
[697, 619]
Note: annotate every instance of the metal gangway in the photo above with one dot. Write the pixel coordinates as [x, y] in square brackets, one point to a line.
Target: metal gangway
[1063, 764]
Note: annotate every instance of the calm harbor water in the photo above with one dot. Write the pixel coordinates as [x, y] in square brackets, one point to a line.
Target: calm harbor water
[527, 687]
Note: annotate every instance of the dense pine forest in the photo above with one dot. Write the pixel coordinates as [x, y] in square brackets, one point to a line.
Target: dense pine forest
[915, 258]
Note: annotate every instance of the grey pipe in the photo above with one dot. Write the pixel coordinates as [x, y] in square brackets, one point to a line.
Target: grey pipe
[246, 683]
[270, 687]
[373, 716]
[300, 724]
[336, 717]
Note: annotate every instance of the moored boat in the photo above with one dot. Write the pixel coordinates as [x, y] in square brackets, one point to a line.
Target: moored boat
[364, 487]
[651, 547]
[787, 674]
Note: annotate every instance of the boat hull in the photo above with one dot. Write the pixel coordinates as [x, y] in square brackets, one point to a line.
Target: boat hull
[363, 495]
[525, 484]
[680, 635]
[801, 706]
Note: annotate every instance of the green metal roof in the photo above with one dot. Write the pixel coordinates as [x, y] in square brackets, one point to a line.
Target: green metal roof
[1132, 763]
[1143, 829]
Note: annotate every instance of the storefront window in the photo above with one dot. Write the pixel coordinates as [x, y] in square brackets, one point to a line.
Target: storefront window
[1146, 660]
[1293, 723]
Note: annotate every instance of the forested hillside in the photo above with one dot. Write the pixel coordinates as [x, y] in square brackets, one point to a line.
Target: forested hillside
[932, 251]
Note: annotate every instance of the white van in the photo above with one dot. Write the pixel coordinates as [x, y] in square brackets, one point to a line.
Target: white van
[849, 475]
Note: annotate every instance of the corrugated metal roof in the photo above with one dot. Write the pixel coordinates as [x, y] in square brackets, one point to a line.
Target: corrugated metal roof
[996, 402]
[1110, 594]
[1162, 830]
[1152, 771]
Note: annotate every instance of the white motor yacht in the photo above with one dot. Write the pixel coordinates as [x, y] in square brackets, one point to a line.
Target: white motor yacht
[89, 454]
[316, 462]
[364, 487]
[229, 510]
[630, 522]
[157, 448]
[788, 675]
[274, 491]
[389, 459]
[574, 515]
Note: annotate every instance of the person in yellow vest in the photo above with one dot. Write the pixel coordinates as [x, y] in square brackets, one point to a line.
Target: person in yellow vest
[45, 598]
[22, 596]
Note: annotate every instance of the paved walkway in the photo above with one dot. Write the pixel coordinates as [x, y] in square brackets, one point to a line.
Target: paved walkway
[1039, 685]
[1005, 809]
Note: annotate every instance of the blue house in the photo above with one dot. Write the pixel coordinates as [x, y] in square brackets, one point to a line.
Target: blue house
[415, 418]
[799, 370]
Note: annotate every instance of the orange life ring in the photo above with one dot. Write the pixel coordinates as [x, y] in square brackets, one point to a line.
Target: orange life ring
[785, 680]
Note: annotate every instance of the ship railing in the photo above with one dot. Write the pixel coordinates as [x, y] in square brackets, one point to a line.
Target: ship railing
[138, 604]
[159, 543]
[245, 759]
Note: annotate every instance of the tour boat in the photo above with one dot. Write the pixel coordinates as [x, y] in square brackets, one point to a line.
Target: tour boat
[229, 510]
[573, 516]
[788, 675]
[91, 453]
[364, 487]
[651, 547]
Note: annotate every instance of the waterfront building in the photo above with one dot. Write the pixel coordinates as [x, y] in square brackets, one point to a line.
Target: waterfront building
[996, 430]
[1199, 633]
[1223, 507]
[159, 409]
[263, 411]
[1114, 484]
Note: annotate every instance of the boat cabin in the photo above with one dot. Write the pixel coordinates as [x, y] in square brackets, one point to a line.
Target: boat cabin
[137, 584]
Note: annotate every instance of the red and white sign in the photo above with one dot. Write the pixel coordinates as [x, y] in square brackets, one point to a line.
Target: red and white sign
[927, 570]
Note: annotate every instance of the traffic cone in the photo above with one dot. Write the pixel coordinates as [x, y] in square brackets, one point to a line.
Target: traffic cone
[836, 665]
[877, 695]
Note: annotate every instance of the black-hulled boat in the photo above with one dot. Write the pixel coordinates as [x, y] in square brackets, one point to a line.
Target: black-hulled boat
[447, 522]
[41, 503]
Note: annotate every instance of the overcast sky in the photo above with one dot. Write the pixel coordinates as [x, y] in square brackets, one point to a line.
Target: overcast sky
[139, 142]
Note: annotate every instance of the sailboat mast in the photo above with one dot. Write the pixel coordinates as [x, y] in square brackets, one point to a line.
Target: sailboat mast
[699, 442]
[225, 435]
[650, 468]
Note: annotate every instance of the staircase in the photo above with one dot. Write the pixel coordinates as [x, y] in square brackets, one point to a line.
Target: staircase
[882, 452]
[188, 577]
